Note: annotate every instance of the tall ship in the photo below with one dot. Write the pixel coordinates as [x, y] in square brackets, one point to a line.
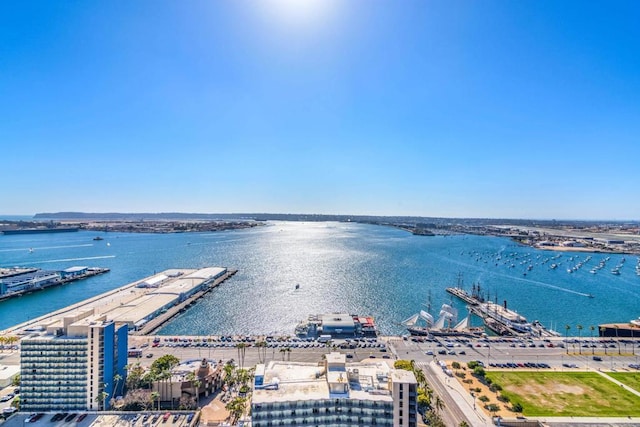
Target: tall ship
[423, 323]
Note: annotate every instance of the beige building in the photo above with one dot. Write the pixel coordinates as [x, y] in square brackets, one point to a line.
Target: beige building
[334, 394]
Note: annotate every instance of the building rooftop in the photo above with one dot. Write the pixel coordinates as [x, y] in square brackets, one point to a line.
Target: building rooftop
[367, 380]
[137, 302]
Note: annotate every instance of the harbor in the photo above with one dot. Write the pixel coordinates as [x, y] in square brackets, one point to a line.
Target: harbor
[17, 281]
[499, 318]
[144, 305]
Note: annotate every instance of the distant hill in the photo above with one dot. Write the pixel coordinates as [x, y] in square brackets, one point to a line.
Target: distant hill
[432, 222]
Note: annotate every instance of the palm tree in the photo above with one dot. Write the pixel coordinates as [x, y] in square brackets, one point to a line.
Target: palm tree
[101, 398]
[195, 384]
[242, 348]
[602, 331]
[236, 408]
[229, 376]
[617, 338]
[591, 329]
[155, 396]
[262, 351]
[116, 379]
[567, 327]
[438, 404]
[579, 328]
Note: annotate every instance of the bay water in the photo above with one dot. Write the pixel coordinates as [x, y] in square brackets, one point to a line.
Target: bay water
[339, 267]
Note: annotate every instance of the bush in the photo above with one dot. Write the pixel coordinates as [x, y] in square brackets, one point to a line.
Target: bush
[455, 365]
[503, 398]
[473, 364]
[461, 374]
[478, 371]
[492, 407]
[517, 407]
[483, 398]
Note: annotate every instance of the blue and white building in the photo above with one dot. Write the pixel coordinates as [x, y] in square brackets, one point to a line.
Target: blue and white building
[77, 364]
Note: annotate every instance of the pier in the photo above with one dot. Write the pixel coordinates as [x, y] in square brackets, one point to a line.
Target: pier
[153, 325]
[499, 318]
[145, 305]
[20, 281]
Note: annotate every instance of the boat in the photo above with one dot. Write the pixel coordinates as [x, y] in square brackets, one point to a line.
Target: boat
[297, 285]
[443, 326]
[98, 238]
[511, 320]
[337, 325]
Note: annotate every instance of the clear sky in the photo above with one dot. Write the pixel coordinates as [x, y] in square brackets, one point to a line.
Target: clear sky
[520, 109]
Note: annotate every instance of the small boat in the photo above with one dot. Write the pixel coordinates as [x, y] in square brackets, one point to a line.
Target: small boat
[297, 285]
[98, 238]
[30, 250]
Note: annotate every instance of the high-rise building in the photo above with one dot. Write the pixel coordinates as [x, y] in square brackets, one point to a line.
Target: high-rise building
[334, 394]
[76, 364]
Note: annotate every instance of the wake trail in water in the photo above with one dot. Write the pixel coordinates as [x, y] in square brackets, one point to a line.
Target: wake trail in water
[46, 247]
[73, 259]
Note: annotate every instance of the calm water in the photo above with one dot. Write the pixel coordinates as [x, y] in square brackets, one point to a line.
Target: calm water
[357, 268]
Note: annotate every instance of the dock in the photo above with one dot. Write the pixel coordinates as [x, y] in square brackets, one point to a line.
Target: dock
[153, 325]
[145, 305]
[499, 318]
[20, 281]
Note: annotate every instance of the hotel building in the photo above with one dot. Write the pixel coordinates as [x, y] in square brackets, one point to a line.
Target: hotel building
[76, 364]
[334, 394]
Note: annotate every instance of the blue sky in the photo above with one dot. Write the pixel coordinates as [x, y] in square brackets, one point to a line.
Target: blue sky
[521, 109]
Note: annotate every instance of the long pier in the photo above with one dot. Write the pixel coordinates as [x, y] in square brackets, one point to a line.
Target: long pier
[153, 325]
[90, 272]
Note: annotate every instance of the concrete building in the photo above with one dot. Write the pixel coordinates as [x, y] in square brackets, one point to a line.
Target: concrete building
[77, 364]
[334, 394]
[207, 376]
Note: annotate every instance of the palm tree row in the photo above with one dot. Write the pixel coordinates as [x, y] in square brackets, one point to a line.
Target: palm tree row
[8, 340]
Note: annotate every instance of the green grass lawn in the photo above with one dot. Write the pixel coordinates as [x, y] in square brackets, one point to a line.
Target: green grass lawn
[632, 379]
[565, 394]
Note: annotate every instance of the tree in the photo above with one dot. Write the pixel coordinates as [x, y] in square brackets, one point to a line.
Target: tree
[567, 327]
[287, 351]
[155, 396]
[591, 329]
[463, 424]
[517, 407]
[195, 384]
[116, 379]
[493, 408]
[236, 407]
[242, 348]
[229, 377]
[579, 328]
[602, 332]
[101, 398]
[16, 380]
[262, 351]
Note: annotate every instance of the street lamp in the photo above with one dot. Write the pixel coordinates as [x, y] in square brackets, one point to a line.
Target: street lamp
[474, 400]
